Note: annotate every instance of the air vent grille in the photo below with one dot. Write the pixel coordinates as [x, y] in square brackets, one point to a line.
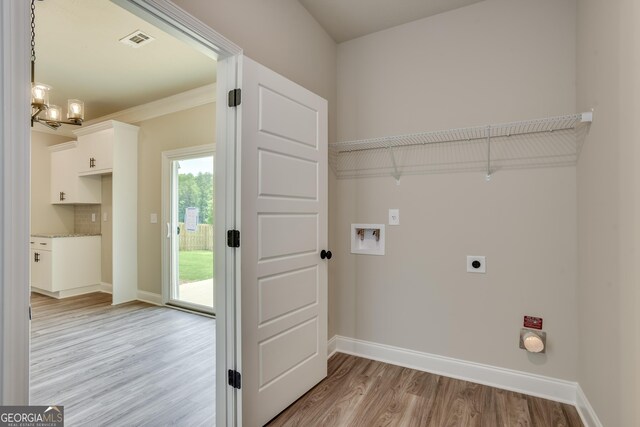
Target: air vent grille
[137, 39]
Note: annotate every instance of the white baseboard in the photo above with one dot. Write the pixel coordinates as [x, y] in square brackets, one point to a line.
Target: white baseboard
[150, 297]
[331, 346]
[144, 296]
[507, 379]
[69, 292]
[588, 415]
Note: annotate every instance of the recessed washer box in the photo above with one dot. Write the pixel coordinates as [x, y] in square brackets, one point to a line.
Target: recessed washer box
[367, 239]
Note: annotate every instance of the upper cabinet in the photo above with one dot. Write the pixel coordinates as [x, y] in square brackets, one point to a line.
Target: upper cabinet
[95, 153]
[97, 146]
[66, 186]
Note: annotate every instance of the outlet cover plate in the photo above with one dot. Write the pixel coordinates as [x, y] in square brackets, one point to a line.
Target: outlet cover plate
[394, 216]
[471, 268]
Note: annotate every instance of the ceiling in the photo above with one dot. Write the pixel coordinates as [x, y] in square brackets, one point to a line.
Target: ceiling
[78, 53]
[347, 19]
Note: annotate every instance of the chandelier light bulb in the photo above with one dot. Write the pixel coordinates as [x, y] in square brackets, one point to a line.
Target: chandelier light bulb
[53, 113]
[40, 94]
[75, 110]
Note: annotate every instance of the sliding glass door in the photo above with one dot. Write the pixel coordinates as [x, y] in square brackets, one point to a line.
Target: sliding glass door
[190, 233]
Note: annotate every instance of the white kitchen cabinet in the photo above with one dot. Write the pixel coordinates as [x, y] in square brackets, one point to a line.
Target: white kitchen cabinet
[66, 186]
[104, 144]
[60, 264]
[41, 269]
[95, 151]
[112, 147]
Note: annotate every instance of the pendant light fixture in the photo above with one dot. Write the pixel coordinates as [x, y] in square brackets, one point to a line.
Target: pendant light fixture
[41, 111]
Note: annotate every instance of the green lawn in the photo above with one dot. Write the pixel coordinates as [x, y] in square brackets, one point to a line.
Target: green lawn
[195, 265]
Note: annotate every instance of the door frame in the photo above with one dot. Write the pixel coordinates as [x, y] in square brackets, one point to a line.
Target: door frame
[15, 180]
[167, 174]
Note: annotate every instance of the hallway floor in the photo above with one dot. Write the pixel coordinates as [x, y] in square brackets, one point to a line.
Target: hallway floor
[131, 364]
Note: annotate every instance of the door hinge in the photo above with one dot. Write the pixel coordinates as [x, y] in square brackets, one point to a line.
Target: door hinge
[30, 314]
[235, 97]
[233, 238]
[235, 379]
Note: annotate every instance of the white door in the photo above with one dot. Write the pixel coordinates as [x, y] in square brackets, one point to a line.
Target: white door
[283, 231]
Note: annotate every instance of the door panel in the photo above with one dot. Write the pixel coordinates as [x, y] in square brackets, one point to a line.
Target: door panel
[284, 228]
[286, 235]
[275, 184]
[302, 121]
[284, 293]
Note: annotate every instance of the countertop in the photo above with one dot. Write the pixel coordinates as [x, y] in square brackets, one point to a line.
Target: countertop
[59, 235]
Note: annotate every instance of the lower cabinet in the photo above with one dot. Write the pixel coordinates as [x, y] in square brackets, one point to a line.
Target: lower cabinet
[64, 263]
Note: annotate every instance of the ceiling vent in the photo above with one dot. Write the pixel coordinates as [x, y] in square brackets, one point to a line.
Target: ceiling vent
[137, 39]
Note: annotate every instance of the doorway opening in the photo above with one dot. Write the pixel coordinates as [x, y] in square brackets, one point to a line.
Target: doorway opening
[107, 350]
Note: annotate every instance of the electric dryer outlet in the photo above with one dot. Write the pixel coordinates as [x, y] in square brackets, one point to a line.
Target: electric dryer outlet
[476, 264]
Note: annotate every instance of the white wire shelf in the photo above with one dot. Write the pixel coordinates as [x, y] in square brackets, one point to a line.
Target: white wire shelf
[551, 141]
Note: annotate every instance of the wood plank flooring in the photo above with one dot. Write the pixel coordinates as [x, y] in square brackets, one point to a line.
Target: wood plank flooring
[364, 393]
[131, 364]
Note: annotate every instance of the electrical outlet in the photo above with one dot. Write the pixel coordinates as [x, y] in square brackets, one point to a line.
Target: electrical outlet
[105, 217]
[476, 264]
[394, 216]
[93, 217]
[154, 218]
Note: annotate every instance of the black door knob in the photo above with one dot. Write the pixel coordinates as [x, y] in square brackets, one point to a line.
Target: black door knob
[325, 254]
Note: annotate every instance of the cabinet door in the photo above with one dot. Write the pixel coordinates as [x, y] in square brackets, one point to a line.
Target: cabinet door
[96, 152]
[41, 270]
[63, 176]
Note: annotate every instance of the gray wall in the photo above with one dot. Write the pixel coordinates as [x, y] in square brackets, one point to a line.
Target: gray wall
[608, 209]
[491, 62]
[188, 128]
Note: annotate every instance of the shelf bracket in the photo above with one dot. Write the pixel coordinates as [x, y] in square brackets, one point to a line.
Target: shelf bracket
[488, 134]
[396, 174]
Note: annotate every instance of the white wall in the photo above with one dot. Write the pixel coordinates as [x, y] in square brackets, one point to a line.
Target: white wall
[495, 61]
[45, 217]
[609, 209]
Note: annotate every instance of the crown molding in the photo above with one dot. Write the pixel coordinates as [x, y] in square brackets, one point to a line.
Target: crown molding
[64, 146]
[172, 104]
[104, 125]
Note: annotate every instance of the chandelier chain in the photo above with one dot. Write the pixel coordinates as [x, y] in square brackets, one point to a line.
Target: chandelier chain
[33, 30]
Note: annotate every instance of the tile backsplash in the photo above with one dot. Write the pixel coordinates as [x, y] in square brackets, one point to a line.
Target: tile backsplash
[83, 223]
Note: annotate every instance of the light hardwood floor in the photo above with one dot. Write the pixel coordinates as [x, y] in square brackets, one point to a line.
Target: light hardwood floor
[364, 393]
[125, 365]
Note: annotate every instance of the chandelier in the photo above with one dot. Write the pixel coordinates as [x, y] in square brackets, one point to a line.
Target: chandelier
[42, 112]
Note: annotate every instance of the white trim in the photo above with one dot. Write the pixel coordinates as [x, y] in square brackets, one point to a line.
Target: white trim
[64, 146]
[15, 171]
[69, 292]
[227, 260]
[331, 346]
[100, 126]
[507, 379]
[587, 414]
[107, 288]
[150, 297]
